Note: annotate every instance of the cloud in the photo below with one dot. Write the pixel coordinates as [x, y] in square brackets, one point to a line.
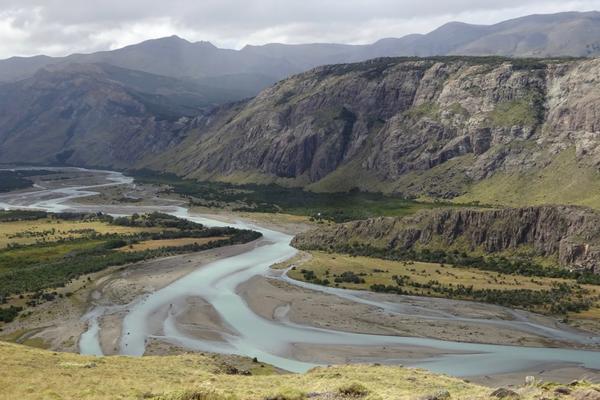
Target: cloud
[59, 27]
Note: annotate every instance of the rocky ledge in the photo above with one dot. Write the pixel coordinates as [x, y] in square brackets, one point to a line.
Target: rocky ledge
[568, 235]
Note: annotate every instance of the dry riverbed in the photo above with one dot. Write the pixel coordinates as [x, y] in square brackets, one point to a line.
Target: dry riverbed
[58, 324]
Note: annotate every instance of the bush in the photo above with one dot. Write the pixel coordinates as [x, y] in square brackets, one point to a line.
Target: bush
[10, 313]
[349, 277]
[287, 394]
[200, 394]
[353, 390]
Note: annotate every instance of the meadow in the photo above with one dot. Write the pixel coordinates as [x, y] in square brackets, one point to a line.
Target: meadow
[554, 296]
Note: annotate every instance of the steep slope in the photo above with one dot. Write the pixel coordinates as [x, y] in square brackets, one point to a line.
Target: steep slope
[420, 127]
[568, 235]
[83, 115]
[197, 376]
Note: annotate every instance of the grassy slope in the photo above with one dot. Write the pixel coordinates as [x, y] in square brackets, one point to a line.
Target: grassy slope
[26, 372]
[563, 181]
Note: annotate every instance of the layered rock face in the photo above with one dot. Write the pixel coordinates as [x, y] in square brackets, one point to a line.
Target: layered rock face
[463, 119]
[570, 235]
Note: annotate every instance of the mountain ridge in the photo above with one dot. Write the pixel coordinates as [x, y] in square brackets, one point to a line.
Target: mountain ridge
[419, 127]
[546, 35]
[490, 129]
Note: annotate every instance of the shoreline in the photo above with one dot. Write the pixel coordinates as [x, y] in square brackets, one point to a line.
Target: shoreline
[279, 301]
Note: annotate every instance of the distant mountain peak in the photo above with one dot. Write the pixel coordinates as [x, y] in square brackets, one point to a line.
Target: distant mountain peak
[205, 44]
[168, 40]
[575, 34]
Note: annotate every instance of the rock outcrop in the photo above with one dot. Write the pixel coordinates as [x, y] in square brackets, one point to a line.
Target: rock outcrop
[569, 235]
[411, 126]
[434, 127]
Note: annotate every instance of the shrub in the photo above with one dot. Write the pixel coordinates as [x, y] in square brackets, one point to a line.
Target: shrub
[199, 394]
[353, 390]
[10, 313]
[287, 394]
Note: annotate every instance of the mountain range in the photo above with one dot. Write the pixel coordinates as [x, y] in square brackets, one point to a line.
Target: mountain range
[575, 34]
[461, 126]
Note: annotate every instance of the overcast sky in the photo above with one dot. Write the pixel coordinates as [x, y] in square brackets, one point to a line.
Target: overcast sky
[60, 27]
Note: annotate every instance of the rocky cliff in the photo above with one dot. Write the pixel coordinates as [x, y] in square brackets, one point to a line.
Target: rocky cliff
[517, 132]
[568, 235]
[418, 127]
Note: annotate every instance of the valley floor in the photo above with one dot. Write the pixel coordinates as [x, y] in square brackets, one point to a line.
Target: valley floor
[57, 325]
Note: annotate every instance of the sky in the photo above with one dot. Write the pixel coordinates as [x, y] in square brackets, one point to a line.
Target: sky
[61, 27]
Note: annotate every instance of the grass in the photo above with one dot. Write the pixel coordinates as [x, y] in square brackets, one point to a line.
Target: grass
[427, 109]
[26, 373]
[162, 243]
[382, 272]
[52, 229]
[521, 112]
[562, 181]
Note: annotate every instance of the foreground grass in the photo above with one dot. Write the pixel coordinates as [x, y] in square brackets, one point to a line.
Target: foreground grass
[30, 373]
[367, 272]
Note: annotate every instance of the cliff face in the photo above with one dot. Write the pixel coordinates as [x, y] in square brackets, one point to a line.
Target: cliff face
[440, 127]
[432, 126]
[570, 235]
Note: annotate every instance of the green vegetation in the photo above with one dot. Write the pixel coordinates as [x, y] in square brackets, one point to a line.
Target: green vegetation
[353, 390]
[375, 68]
[525, 111]
[336, 207]
[560, 299]
[10, 313]
[548, 295]
[562, 181]
[21, 215]
[14, 180]
[10, 180]
[519, 265]
[33, 268]
[428, 109]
